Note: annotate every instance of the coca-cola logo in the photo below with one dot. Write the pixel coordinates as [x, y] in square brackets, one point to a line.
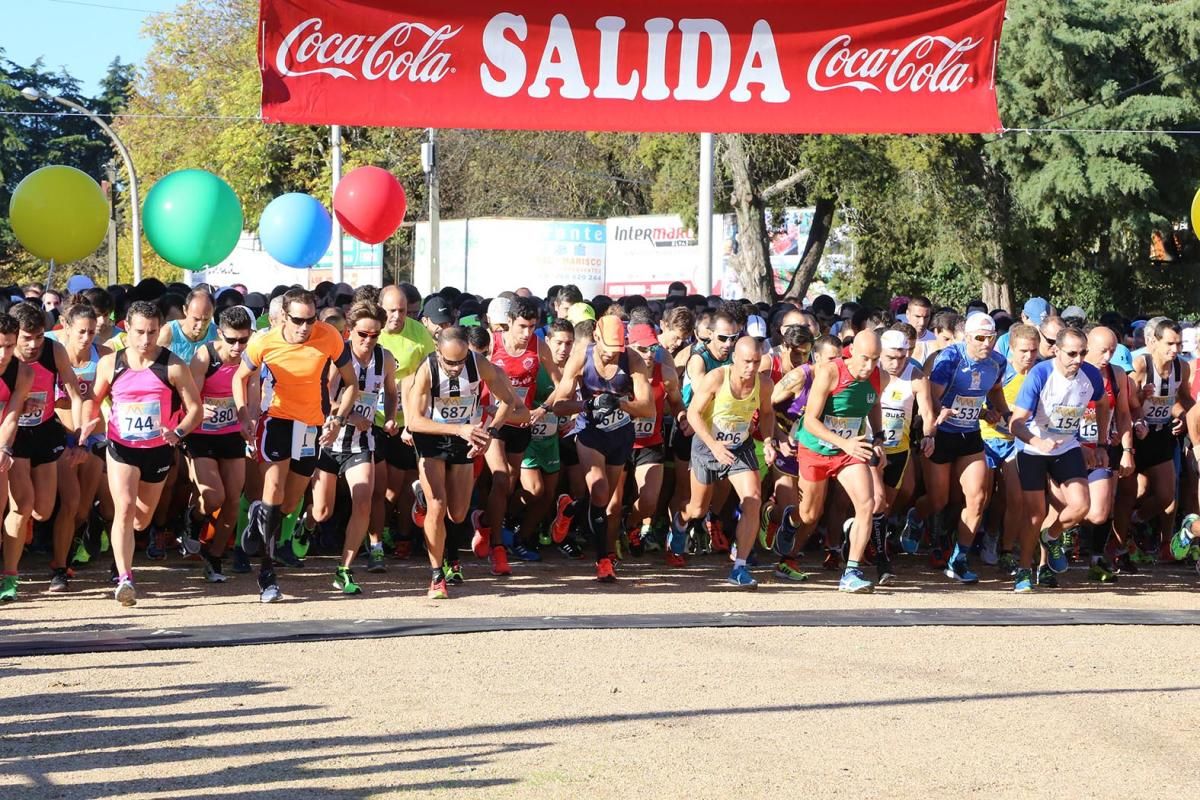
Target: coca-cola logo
[927, 63]
[406, 51]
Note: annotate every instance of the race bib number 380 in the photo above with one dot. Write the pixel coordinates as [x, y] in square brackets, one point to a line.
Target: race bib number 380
[219, 413]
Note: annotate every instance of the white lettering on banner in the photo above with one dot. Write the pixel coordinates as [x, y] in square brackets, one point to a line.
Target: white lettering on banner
[505, 69]
[391, 55]
[912, 67]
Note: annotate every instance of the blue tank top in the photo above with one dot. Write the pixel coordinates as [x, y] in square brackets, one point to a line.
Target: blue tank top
[184, 347]
[593, 383]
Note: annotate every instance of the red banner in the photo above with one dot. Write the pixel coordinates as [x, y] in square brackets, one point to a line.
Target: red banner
[755, 66]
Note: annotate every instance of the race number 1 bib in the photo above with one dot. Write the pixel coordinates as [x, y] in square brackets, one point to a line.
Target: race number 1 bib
[453, 410]
[1065, 419]
[35, 404]
[139, 422]
[843, 427]
[219, 413]
[967, 409]
[1089, 427]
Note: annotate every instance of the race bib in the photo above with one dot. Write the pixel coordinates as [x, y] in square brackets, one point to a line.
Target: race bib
[546, 427]
[967, 409]
[893, 426]
[643, 427]
[139, 422]
[1065, 419]
[219, 413]
[453, 410]
[1089, 427]
[1158, 410]
[611, 420]
[844, 427]
[308, 443]
[731, 433]
[366, 404]
[35, 405]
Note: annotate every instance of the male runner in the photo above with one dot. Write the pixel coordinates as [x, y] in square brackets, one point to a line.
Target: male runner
[184, 337]
[149, 386]
[296, 355]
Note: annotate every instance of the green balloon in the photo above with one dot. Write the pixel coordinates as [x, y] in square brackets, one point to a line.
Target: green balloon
[192, 219]
[59, 213]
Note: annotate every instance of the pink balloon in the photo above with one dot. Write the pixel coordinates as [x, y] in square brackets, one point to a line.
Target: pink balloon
[370, 203]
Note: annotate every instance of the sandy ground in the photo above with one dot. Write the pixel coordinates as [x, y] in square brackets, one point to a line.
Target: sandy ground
[1103, 711]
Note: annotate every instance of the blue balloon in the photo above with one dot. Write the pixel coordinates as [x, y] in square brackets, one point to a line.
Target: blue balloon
[295, 229]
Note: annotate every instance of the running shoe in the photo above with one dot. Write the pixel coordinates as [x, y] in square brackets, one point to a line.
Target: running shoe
[241, 562]
[212, 569]
[883, 568]
[268, 589]
[1070, 539]
[605, 573]
[652, 540]
[1101, 572]
[1023, 584]
[833, 559]
[58, 581]
[286, 556]
[437, 590]
[785, 535]
[937, 557]
[677, 537]
[452, 572]
[1007, 564]
[766, 529]
[125, 593]
[1139, 556]
[1056, 554]
[403, 549]
[481, 542]
[571, 550]
[675, 560]
[156, 545]
[634, 534]
[853, 582]
[189, 540]
[544, 539]
[960, 570]
[990, 553]
[500, 561]
[789, 570]
[912, 533]
[80, 555]
[718, 541]
[376, 560]
[252, 538]
[343, 580]
[1181, 542]
[8, 589]
[420, 504]
[1046, 577]
[1125, 565]
[562, 520]
[523, 552]
[741, 578]
[508, 536]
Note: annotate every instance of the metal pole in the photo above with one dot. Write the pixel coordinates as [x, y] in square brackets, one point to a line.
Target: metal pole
[335, 139]
[430, 164]
[135, 211]
[704, 222]
[112, 223]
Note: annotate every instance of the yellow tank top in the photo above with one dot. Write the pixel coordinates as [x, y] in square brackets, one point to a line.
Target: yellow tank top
[896, 405]
[730, 417]
[1011, 389]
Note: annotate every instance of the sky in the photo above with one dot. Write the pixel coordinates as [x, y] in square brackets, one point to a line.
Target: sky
[81, 35]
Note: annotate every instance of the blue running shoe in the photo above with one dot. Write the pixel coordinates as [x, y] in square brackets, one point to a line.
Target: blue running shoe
[741, 578]
[241, 562]
[960, 570]
[913, 532]
[508, 537]
[520, 551]
[1024, 582]
[1057, 554]
[785, 537]
[853, 582]
[677, 536]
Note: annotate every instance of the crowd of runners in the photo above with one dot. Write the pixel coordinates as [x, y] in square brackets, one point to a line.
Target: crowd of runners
[238, 428]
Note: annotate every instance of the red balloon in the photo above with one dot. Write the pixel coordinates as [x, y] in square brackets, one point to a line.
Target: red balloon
[370, 203]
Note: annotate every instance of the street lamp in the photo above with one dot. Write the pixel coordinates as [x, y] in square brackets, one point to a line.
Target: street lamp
[33, 95]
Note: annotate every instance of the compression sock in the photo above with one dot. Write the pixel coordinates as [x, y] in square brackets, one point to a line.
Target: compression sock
[1099, 540]
[598, 529]
[879, 536]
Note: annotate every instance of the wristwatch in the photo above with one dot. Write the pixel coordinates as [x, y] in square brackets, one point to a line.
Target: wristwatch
[493, 431]
[339, 419]
[179, 432]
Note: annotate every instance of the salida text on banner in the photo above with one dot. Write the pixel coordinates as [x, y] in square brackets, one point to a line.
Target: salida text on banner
[758, 66]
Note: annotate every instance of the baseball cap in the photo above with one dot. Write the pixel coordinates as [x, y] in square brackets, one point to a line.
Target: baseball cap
[498, 310]
[642, 335]
[612, 332]
[437, 310]
[578, 312]
[756, 327]
[1191, 337]
[893, 340]
[1073, 312]
[79, 283]
[1036, 309]
[981, 323]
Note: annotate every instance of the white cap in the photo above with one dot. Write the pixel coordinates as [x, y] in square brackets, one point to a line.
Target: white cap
[498, 310]
[756, 327]
[1191, 338]
[981, 323]
[894, 340]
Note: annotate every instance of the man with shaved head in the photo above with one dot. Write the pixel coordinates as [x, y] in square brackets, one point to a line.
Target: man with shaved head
[721, 413]
[833, 444]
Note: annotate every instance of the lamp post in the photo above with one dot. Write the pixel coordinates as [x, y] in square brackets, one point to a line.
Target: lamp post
[33, 95]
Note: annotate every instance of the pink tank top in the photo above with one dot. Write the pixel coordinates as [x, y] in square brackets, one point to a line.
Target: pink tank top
[8, 382]
[220, 414]
[39, 403]
[144, 402]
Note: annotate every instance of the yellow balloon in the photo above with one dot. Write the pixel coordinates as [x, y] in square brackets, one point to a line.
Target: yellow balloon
[59, 213]
[1196, 213]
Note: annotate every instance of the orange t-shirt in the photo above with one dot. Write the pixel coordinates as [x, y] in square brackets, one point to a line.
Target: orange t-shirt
[298, 371]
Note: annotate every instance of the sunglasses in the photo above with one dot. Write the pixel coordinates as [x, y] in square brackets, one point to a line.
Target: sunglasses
[983, 337]
[365, 335]
[301, 321]
[452, 362]
[725, 337]
[235, 339]
[1074, 353]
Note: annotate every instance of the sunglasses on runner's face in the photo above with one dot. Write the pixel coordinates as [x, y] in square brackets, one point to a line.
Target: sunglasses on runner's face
[725, 337]
[1074, 353]
[983, 337]
[451, 362]
[301, 321]
[235, 339]
[365, 335]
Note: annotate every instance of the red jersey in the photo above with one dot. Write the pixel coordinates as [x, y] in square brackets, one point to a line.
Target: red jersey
[521, 369]
[648, 431]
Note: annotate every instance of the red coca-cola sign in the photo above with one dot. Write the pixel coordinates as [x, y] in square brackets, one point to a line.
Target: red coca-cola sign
[857, 66]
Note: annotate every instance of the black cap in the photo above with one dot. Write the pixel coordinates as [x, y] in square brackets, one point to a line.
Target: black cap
[437, 310]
